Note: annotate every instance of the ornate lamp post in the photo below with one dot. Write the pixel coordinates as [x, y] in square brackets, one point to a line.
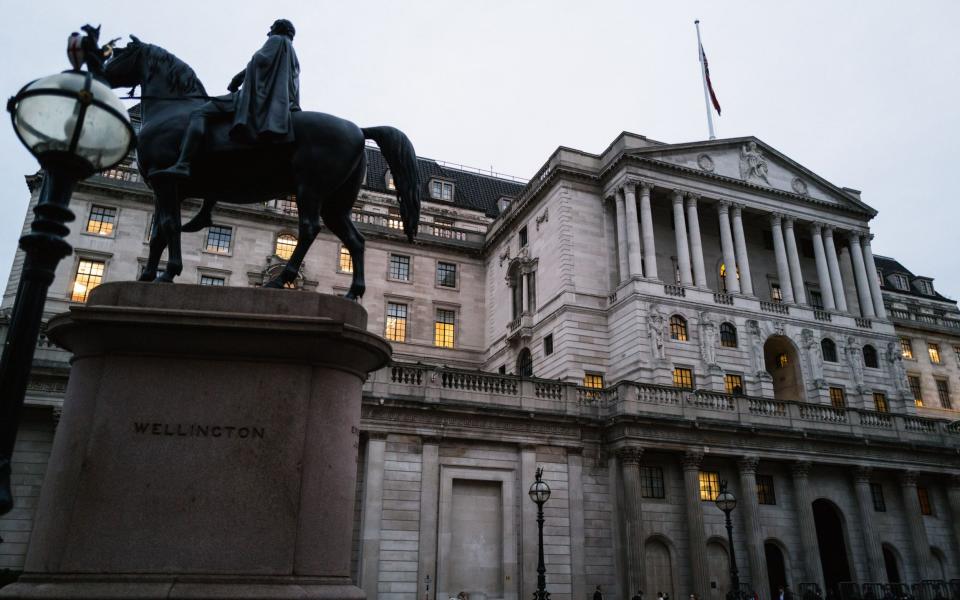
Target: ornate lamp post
[540, 493]
[726, 502]
[75, 126]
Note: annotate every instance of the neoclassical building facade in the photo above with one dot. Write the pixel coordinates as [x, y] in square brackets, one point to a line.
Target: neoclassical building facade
[644, 323]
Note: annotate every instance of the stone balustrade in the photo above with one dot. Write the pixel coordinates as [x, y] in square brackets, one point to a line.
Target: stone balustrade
[543, 396]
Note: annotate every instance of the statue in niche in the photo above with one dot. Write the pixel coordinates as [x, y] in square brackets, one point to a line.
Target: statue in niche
[756, 346]
[708, 339]
[656, 322]
[855, 359]
[752, 163]
[897, 370]
[814, 355]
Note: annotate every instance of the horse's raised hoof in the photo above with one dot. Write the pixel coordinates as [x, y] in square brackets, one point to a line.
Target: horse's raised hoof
[201, 221]
[147, 276]
[165, 277]
[355, 293]
[274, 284]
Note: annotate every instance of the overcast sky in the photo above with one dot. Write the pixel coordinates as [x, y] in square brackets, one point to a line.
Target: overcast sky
[863, 93]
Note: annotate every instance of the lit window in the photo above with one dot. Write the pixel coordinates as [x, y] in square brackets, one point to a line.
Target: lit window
[522, 236]
[906, 348]
[876, 491]
[728, 335]
[285, 245]
[943, 391]
[287, 206]
[548, 344]
[388, 179]
[394, 221]
[219, 238]
[914, 382]
[651, 482]
[924, 497]
[870, 357]
[344, 261]
[723, 277]
[444, 328]
[816, 299]
[782, 360]
[934, 351]
[880, 402]
[837, 397]
[709, 485]
[593, 380]
[399, 267]
[441, 190]
[776, 294]
[446, 274]
[101, 220]
[765, 492]
[683, 378]
[89, 276]
[678, 328]
[733, 384]
[829, 350]
[396, 322]
[210, 280]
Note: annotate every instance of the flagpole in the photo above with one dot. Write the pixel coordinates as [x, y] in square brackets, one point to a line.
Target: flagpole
[703, 75]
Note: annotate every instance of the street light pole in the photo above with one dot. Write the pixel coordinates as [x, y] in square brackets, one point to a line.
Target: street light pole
[540, 493]
[726, 502]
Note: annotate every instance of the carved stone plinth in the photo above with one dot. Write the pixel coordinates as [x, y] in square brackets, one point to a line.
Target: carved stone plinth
[207, 448]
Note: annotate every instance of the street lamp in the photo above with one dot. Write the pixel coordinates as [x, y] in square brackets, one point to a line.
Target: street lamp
[75, 126]
[540, 493]
[726, 502]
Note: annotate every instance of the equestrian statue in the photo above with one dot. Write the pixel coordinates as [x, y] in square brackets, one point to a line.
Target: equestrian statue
[250, 146]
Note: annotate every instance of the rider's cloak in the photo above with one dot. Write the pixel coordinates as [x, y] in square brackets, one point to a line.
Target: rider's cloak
[271, 90]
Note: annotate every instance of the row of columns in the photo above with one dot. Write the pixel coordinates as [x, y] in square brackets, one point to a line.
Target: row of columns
[636, 251]
[748, 506]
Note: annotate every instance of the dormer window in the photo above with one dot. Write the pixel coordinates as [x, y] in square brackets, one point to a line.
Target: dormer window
[388, 181]
[441, 190]
[925, 286]
[900, 281]
[503, 204]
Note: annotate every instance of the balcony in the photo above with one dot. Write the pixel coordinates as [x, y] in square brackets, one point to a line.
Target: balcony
[520, 328]
[526, 396]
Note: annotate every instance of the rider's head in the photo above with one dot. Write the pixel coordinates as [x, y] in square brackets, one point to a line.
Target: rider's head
[283, 27]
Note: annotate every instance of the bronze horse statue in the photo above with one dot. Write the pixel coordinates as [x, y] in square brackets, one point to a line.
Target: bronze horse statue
[324, 167]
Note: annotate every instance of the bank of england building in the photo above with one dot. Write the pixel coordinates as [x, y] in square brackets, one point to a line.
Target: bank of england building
[645, 323]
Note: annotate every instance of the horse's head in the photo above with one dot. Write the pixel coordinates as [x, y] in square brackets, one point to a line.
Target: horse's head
[124, 67]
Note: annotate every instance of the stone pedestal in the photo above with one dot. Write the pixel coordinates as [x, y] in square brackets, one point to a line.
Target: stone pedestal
[207, 447]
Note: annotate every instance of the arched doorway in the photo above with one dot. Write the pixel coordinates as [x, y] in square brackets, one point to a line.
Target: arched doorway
[718, 568]
[833, 547]
[892, 565]
[776, 568]
[783, 363]
[658, 568]
[525, 363]
[939, 563]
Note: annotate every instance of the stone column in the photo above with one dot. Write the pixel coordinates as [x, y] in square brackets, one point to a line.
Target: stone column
[751, 520]
[808, 529]
[783, 269]
[833, 265]
[875, 564]
[793, 258]
[633, 230]
[696, 244]
[726, 245]
[697, 541]
[528, 519]
[873, 277]
[578, 581]
[622, 250]
[918, 531]
[860, 274]
[740, 244]
[429, 508]
[823, 271]
[953, 496]
[680, 235]
[646, 223]
[372, 512]
[632, 517]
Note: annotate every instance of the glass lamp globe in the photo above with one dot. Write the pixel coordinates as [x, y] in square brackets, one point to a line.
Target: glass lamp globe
[539, 491]
[726, 501]
[72, 116]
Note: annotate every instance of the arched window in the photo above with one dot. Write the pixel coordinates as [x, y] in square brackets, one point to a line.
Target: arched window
[525, 363]
[285, 245]
[678, 328]
[728, 335]
[870, 356]
[829, 350]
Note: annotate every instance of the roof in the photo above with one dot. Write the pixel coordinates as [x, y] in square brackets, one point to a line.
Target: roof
[474, 191]
[888, 266]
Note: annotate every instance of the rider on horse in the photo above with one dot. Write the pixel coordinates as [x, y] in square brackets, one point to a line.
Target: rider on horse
[260, 109]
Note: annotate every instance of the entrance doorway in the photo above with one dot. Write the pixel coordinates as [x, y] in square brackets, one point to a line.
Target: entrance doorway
[830, 539]
[776, 568]
[890, 562]
[659, 569]
[718, 567]
[781, 360]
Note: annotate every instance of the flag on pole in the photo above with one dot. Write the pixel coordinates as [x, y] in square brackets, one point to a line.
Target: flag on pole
[706, 75]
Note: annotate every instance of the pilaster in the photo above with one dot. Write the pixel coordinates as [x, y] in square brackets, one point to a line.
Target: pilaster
[696, 243]
[833, 265]
[793, 258]
[783, 268]
[823, 271]
[808, 529]
[726, 245]
[918, 531]
[697, 540]
[860, 274]
[646, 223]
[751, 516]
[740, 245]
[871, 543]
[680, 235]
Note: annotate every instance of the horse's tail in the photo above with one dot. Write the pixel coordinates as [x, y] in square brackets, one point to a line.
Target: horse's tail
[402, 160]
[202, 218]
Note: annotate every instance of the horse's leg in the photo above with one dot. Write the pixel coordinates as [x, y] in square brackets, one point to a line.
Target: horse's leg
[308, 212]
[168, 220]
[157, 245]
[336, 216]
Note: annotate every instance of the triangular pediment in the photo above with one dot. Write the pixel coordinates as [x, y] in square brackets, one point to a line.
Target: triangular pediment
[754, 163]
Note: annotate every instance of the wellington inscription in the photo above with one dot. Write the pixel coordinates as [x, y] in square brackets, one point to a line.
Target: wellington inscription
[195, 430]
